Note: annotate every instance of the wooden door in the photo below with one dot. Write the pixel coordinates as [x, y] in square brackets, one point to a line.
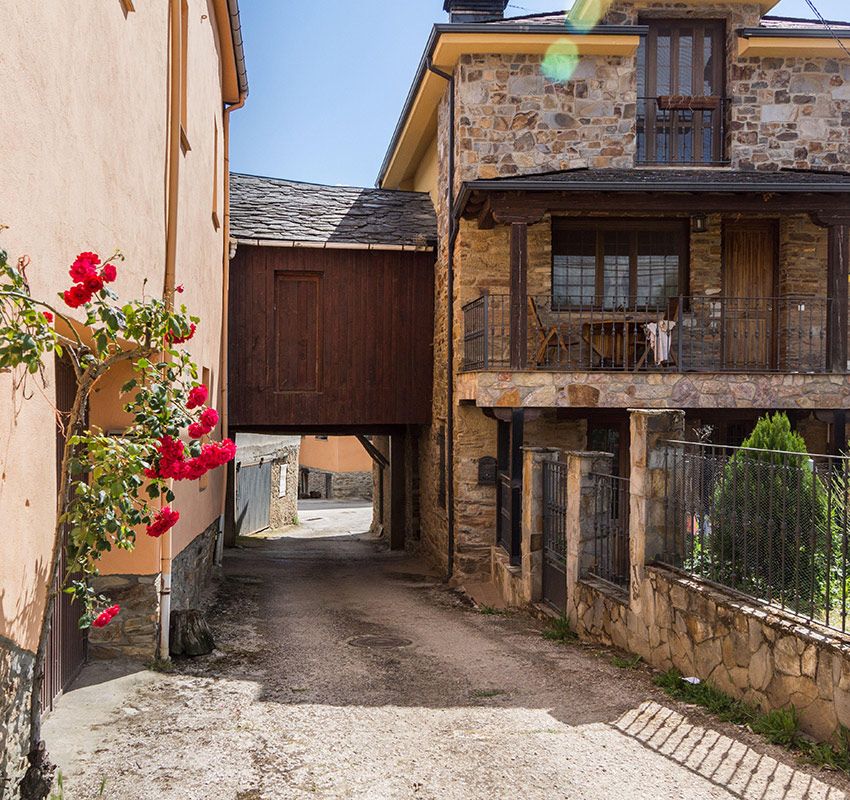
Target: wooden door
[748, 307]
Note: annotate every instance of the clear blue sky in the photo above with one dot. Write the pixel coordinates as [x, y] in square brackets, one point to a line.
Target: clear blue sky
[328, 79]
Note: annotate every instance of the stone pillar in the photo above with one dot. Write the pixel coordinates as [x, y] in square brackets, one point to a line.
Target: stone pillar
[532, 519]
[581, 511]
[650, 432]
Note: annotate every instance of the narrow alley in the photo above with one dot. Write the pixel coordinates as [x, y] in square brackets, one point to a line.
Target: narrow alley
[346, 671]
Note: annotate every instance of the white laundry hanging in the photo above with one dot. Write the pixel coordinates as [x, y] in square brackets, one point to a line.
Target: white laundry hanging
[659, 335]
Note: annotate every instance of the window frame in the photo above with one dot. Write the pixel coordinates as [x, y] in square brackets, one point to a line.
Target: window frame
[675, 103]
[562, 228]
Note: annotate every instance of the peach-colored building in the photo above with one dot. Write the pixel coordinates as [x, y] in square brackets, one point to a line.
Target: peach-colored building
[116, 136]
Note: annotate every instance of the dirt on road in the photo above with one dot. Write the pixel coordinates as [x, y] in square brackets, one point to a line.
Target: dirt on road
[345, 671]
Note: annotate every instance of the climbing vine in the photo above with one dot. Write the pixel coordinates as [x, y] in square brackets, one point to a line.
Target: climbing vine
[111, 486]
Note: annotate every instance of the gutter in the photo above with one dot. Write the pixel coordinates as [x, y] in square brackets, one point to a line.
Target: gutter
[398, 248]
[438, 30]
[239, 52]
[794, 33]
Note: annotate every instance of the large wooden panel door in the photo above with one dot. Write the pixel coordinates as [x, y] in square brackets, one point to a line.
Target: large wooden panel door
[749, 283]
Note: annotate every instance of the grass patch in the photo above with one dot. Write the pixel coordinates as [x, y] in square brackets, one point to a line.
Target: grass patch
[559, 631]
[622, 662]
[160, 665]
[59, 794]
[780, 726]
[490, 611]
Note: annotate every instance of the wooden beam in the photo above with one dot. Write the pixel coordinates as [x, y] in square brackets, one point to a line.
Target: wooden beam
[530, 207]
[377, 456]
[519, 300]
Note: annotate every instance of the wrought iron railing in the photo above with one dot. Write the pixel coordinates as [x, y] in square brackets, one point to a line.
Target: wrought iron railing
[696, 333]
[554, 533]
[770, 524]
[610, 560]
[682, 130]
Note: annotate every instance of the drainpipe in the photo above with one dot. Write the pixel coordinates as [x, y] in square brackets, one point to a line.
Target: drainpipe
[173, 161]
[450, 346]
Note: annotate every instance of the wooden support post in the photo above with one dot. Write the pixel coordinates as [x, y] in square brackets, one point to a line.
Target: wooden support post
[838, 269]
[397, 492]
[519, 299]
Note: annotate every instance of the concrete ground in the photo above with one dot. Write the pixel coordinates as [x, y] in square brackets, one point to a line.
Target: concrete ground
[346, 671]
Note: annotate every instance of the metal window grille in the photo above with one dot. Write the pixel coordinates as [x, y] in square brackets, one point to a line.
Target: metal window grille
[610, 546]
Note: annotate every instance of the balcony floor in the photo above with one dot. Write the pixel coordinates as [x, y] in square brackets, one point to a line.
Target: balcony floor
[539, 389]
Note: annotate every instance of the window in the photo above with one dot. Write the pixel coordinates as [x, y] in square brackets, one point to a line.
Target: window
[681, 73]
[618, 264]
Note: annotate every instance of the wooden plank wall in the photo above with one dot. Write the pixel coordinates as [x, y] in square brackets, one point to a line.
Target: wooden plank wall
[327, 338]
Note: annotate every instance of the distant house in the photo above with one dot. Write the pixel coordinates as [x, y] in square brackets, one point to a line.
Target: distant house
[99, 158]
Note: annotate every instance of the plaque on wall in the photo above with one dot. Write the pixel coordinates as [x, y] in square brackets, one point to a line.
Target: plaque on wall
[487, 471]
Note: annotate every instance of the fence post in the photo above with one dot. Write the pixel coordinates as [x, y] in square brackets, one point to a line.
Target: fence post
[650, 432]
[581, 517]
[532, 519]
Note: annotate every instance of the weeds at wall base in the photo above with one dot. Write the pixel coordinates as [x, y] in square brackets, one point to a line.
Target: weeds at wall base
[779, 726]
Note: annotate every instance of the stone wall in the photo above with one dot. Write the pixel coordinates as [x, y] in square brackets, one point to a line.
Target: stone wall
[284, 507]
[193, 570]
[134, 632]
[16, 675]
[747, 649]
[335, 485]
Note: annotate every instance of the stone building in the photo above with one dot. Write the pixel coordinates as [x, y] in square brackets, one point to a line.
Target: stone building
[334, 467]
[126, 151]
[641, 204]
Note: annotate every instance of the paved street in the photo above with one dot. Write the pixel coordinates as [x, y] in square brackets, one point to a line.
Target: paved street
[345, 671]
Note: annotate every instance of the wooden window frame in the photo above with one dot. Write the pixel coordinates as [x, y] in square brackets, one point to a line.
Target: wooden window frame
[676, 102]
[562, 228]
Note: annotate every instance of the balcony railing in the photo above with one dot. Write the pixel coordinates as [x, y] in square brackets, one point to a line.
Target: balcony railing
[689, 334]
[681, 130]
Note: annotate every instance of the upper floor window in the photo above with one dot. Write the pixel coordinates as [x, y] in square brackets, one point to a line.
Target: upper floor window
[681, 98]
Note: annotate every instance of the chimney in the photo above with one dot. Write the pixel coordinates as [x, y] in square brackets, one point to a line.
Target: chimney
[475, 10]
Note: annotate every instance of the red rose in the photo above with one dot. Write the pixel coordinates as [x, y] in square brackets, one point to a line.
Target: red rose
[197, 397]
[105, 617]
[173, 338]
[93, 284]
[209, 418]
[108, 273]
[197, 430]
[164, 521]
[84, 267]
[77, 296]
[179, 289]
[47, 315]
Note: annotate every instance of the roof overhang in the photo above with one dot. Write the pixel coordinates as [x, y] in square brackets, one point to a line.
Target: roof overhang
[234, 76]
[337, 245]
[757, 42]
[417, 126]
[502, 199]
[589, 12]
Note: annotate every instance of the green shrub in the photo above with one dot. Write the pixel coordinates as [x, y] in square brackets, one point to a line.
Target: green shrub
[769, 520]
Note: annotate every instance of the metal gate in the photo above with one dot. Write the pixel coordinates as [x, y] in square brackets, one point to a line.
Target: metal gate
[554, 534]
[67, 644]
[253, 497]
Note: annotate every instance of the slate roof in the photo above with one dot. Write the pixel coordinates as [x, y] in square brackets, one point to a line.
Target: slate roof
[280, 210]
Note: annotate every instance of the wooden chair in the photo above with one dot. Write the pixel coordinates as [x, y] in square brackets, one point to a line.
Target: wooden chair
[548, 335]
[671, 315]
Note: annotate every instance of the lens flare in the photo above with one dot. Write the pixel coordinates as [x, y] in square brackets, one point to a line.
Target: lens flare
[586, 14]
[561, 60]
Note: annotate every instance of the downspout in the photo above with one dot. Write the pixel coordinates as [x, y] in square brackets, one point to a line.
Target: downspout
[173, 160]
[450, 345]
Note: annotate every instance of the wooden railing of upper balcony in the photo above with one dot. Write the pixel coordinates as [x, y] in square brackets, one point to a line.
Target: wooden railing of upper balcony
[702, 334]
[681, 130]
